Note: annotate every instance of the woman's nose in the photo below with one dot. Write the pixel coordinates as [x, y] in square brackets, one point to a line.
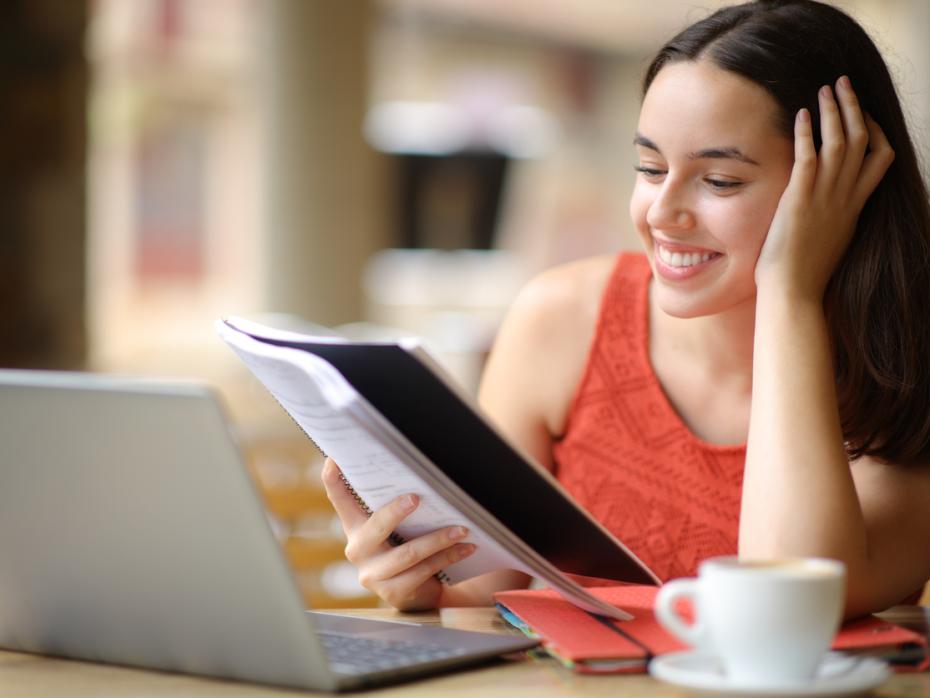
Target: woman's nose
[670, 209]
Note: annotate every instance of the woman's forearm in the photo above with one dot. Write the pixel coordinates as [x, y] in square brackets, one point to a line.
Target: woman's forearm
[798, 493]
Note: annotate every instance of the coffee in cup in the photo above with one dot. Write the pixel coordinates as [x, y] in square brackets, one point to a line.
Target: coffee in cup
[766, 621]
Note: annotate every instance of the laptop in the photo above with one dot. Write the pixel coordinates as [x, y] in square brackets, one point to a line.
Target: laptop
[131, 533]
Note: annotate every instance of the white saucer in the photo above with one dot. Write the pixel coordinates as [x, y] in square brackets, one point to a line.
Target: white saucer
[838, 674]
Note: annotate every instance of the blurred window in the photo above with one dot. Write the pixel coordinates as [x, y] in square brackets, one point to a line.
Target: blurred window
[170, 201]
[174, 162]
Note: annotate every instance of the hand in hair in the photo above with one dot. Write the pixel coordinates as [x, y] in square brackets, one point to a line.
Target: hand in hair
[817, 214]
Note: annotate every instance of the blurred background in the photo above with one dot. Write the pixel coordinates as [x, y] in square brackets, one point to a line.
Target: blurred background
[385, 166]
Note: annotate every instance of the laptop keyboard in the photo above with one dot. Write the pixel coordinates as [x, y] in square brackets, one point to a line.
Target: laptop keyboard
[350, 654]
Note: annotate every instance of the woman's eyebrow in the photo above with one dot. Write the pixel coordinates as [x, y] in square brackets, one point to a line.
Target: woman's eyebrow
[640, 139]
[728, 152]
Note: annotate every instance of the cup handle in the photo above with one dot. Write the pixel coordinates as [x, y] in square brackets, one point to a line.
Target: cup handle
[668, 617]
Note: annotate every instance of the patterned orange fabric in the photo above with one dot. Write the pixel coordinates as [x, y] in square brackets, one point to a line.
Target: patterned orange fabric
[627, 457]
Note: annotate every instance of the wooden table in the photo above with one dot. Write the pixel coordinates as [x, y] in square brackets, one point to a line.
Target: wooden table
[24, 675]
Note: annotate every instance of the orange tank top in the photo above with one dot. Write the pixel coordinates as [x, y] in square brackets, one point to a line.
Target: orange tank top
[628, 458]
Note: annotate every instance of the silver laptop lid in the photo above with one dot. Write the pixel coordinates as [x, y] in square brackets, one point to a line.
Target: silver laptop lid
[131, 533]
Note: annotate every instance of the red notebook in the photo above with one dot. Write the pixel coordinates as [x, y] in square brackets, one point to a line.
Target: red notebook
[593, 644]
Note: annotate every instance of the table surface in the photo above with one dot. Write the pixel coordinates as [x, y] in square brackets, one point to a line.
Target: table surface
[25, 675]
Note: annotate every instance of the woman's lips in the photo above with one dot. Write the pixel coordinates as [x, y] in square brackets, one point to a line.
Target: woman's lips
[681, 262]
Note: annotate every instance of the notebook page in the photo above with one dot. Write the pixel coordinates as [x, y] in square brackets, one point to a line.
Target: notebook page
[316, 396]
[526, 559]
[443, 434]
[340, 396]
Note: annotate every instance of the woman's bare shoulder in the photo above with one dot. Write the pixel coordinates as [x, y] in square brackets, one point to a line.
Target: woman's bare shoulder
[542, 346]
[565, 295]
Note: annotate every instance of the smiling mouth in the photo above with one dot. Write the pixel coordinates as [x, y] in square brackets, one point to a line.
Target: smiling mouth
[680, 260]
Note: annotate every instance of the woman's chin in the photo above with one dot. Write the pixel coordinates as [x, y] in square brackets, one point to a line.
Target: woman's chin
[694, 305]
[684, 311]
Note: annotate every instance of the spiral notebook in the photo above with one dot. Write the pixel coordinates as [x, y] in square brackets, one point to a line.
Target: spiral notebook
[396, 424]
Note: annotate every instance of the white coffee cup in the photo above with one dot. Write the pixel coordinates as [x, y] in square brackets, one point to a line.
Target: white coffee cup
[767, 622]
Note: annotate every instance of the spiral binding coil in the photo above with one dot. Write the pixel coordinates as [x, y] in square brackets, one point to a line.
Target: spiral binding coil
[356, 496]
[297, 424]
[395, 538]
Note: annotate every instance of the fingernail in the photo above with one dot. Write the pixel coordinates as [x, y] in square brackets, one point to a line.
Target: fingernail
[825, 91]
[408, 502]
[466, 549]
[804, 115]
[458, 533]
[844, 82]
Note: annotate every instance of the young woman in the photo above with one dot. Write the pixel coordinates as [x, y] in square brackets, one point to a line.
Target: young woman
[757, 382]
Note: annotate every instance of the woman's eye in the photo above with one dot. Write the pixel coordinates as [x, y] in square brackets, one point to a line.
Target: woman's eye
[723, 184]
[650, 173]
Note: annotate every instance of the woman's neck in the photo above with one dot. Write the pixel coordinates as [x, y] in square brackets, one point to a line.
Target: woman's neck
[718, 346]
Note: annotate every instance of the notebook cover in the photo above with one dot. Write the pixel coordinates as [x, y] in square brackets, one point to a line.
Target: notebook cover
[584, 640]
[455, 438]
[873, 632]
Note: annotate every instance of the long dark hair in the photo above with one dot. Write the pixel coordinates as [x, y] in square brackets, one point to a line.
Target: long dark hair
[877, 303]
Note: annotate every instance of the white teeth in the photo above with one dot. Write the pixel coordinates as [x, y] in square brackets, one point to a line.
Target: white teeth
[682, 259]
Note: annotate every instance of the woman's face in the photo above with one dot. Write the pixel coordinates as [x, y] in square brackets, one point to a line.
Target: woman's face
[712, 167]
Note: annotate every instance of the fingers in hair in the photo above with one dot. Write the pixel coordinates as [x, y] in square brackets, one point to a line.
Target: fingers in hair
[876, 162]
[805, 155]
[857, 135]
[833, 148]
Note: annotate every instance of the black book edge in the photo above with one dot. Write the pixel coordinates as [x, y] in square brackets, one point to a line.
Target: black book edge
[309, 343]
